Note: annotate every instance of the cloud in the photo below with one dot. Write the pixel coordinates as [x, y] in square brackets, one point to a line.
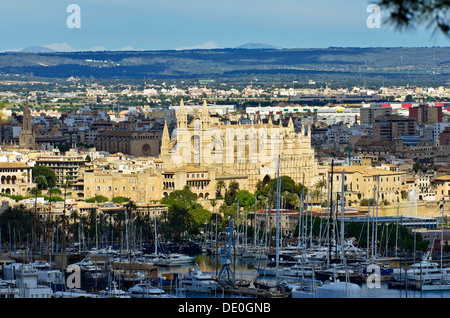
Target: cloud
[60, 47]
[205, 46]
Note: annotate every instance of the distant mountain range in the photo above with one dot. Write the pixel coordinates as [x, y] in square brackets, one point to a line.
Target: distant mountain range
[258, 46]
[37, 49]
[264, 62]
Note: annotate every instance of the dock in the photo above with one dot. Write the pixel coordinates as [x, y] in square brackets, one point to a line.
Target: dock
[253, 292]
[402, 285]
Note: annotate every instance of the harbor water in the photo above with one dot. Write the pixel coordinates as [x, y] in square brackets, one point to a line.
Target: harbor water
[244, 270]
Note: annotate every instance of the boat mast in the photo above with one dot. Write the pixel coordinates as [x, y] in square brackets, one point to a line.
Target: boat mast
[442, 234]
[342, 215]
[277, 233]
[331, 211]
[156, 237]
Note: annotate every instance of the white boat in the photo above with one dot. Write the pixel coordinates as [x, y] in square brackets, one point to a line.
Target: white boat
[87, 265]
[196, 281]
[75, 293]
[174, 259]
[113, 292]
[335, 289]
[339, 289]
[143, 290]
[422, 272]
[436, 286]
[8, 289]
[27, 283]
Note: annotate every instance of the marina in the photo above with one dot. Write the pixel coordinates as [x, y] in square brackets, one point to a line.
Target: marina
[326, 266]
[170, 282]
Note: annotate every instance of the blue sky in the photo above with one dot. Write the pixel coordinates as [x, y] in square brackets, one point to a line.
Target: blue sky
[176, 24]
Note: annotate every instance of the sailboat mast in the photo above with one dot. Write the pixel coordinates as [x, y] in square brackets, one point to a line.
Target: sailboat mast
[342, 215]
[442, 230]
[156, 237]
[277, 233]
[331, 211]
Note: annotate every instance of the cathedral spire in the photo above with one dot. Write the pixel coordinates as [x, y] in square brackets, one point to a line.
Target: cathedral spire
[291, 123]
[205, 115]
[182, 116]
[165, 139]
[182, 109]
[205, 108]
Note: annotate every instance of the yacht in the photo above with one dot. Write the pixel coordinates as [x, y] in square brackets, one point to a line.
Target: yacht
[75, 293]
[114, 292]
[174, 259]
[332, 289]
[424, 271]
[92, 270]
[143, 290]
[196, 281]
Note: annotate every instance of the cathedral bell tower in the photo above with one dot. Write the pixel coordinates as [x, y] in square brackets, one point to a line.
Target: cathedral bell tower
[27, 138]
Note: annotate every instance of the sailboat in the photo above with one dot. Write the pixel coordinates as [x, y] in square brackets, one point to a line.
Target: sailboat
[333, 287]
[443, 282]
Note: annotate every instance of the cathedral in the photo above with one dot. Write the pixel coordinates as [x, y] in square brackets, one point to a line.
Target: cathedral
[251, 152]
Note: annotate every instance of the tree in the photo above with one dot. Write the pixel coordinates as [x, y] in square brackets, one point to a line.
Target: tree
[119, 200]
[404, 14]
[418, 166]
[230, 194]
[41, 183]
[180, 204]
[48, 173]
[245, 198]
[219, 186]
[98, 199]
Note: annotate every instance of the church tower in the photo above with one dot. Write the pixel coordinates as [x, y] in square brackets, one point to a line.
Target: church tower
[205, 116]
[181, 117]
[27, 137]
[131, 122]
[165, 140]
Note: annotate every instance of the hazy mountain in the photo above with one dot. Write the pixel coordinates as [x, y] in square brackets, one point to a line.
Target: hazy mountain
[37, 49]
[251, 46]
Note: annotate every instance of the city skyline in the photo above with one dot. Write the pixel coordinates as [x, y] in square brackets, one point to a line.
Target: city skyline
[141, 25]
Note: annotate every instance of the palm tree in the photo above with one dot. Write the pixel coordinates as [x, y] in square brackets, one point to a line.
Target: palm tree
[130, 208]
[213, 204]
[319, 186]
[66, 185]
[41, 183]
[120, 217]
[219, 186]
[74, 217]
[83, 220]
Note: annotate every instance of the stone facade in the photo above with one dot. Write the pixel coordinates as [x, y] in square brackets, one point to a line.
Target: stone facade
[15, 178]
[250, 151]
[130, 141]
